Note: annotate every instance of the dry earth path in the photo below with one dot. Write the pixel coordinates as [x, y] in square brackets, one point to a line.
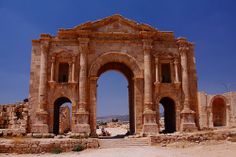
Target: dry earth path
[222, 149]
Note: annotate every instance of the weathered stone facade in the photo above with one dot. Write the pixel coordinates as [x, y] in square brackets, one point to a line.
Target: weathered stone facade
[160, 69]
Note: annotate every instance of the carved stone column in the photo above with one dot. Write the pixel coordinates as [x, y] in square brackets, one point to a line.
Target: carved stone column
[187, 115]
[157, 70]
[147, 46]
[93, 100]
[73, 70]
[52, 69]
[70, 72]
[150, 126]
[176, 71]
[82, 114]
[42, 115]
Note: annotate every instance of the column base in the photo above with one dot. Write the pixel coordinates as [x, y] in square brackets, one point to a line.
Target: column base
[150, 129]
[40, 128]
[187, 121]
[81, 128]
[150, 126]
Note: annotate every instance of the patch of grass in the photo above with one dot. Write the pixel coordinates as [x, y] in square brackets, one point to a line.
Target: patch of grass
[56, 150]
[78, 148]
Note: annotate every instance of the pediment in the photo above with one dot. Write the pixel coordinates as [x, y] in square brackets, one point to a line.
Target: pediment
[115, 23]
[116, 26]
[64, 53]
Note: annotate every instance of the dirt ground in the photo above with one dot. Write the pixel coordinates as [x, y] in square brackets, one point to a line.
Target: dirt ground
[207, 149]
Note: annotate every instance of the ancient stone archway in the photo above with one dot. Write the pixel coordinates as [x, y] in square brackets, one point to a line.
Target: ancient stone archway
[169, 114]
[219, 111]
[56, 118]
[70, 63]
[128, 67]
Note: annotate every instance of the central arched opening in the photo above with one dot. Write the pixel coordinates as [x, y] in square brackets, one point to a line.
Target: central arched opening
[115, 104]
[167, 115]
[219, 112]
[62, 116]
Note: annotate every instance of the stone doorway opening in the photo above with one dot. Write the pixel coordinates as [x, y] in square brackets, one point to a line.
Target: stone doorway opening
[168, 112]
[128, 122]
[62, 116]
[219, 112]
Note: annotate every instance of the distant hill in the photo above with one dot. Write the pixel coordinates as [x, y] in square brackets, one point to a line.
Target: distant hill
[109, 118]
[119, 117]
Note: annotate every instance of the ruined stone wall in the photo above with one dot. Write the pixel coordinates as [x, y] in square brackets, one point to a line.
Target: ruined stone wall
[13, 119]
[202, 107]
[24, 146]
[205, 108]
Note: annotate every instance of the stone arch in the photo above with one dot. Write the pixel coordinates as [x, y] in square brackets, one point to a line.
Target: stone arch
[169, 114]
[174, 97]
[171, 111]
[219, 110]
[221, 97]
[129, 67]
[56, 112]
[109, 57]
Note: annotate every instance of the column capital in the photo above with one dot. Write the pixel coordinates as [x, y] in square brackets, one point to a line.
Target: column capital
[183, 50]
[93, 78]
[53, 59]
[83, 41]
[156, 60]
[73, 59]
[44, 46]
[83, 44]
[147, 44]
[176, 62]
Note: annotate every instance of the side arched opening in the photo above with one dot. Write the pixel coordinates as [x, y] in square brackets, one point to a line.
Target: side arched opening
[219, 112]
[168, 115]
[62, 116]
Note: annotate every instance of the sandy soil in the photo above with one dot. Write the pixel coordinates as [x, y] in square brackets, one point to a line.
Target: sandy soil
[212, 149]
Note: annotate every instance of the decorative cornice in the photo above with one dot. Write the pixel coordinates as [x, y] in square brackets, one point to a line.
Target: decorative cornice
[90, 30]
[99, 23]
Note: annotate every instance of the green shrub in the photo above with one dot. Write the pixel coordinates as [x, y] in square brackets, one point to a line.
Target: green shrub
[56, 150]
[78, 148]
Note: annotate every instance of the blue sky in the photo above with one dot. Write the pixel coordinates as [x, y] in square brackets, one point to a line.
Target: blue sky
[210, 24]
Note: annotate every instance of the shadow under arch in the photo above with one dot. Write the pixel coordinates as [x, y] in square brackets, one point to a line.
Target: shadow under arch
[169, 114]
[56, 118]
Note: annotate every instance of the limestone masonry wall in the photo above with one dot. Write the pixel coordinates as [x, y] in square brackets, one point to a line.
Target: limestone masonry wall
[23, 146]
[13, 119]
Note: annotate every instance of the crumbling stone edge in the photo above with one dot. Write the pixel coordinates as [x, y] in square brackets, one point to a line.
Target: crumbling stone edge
[35, 146]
